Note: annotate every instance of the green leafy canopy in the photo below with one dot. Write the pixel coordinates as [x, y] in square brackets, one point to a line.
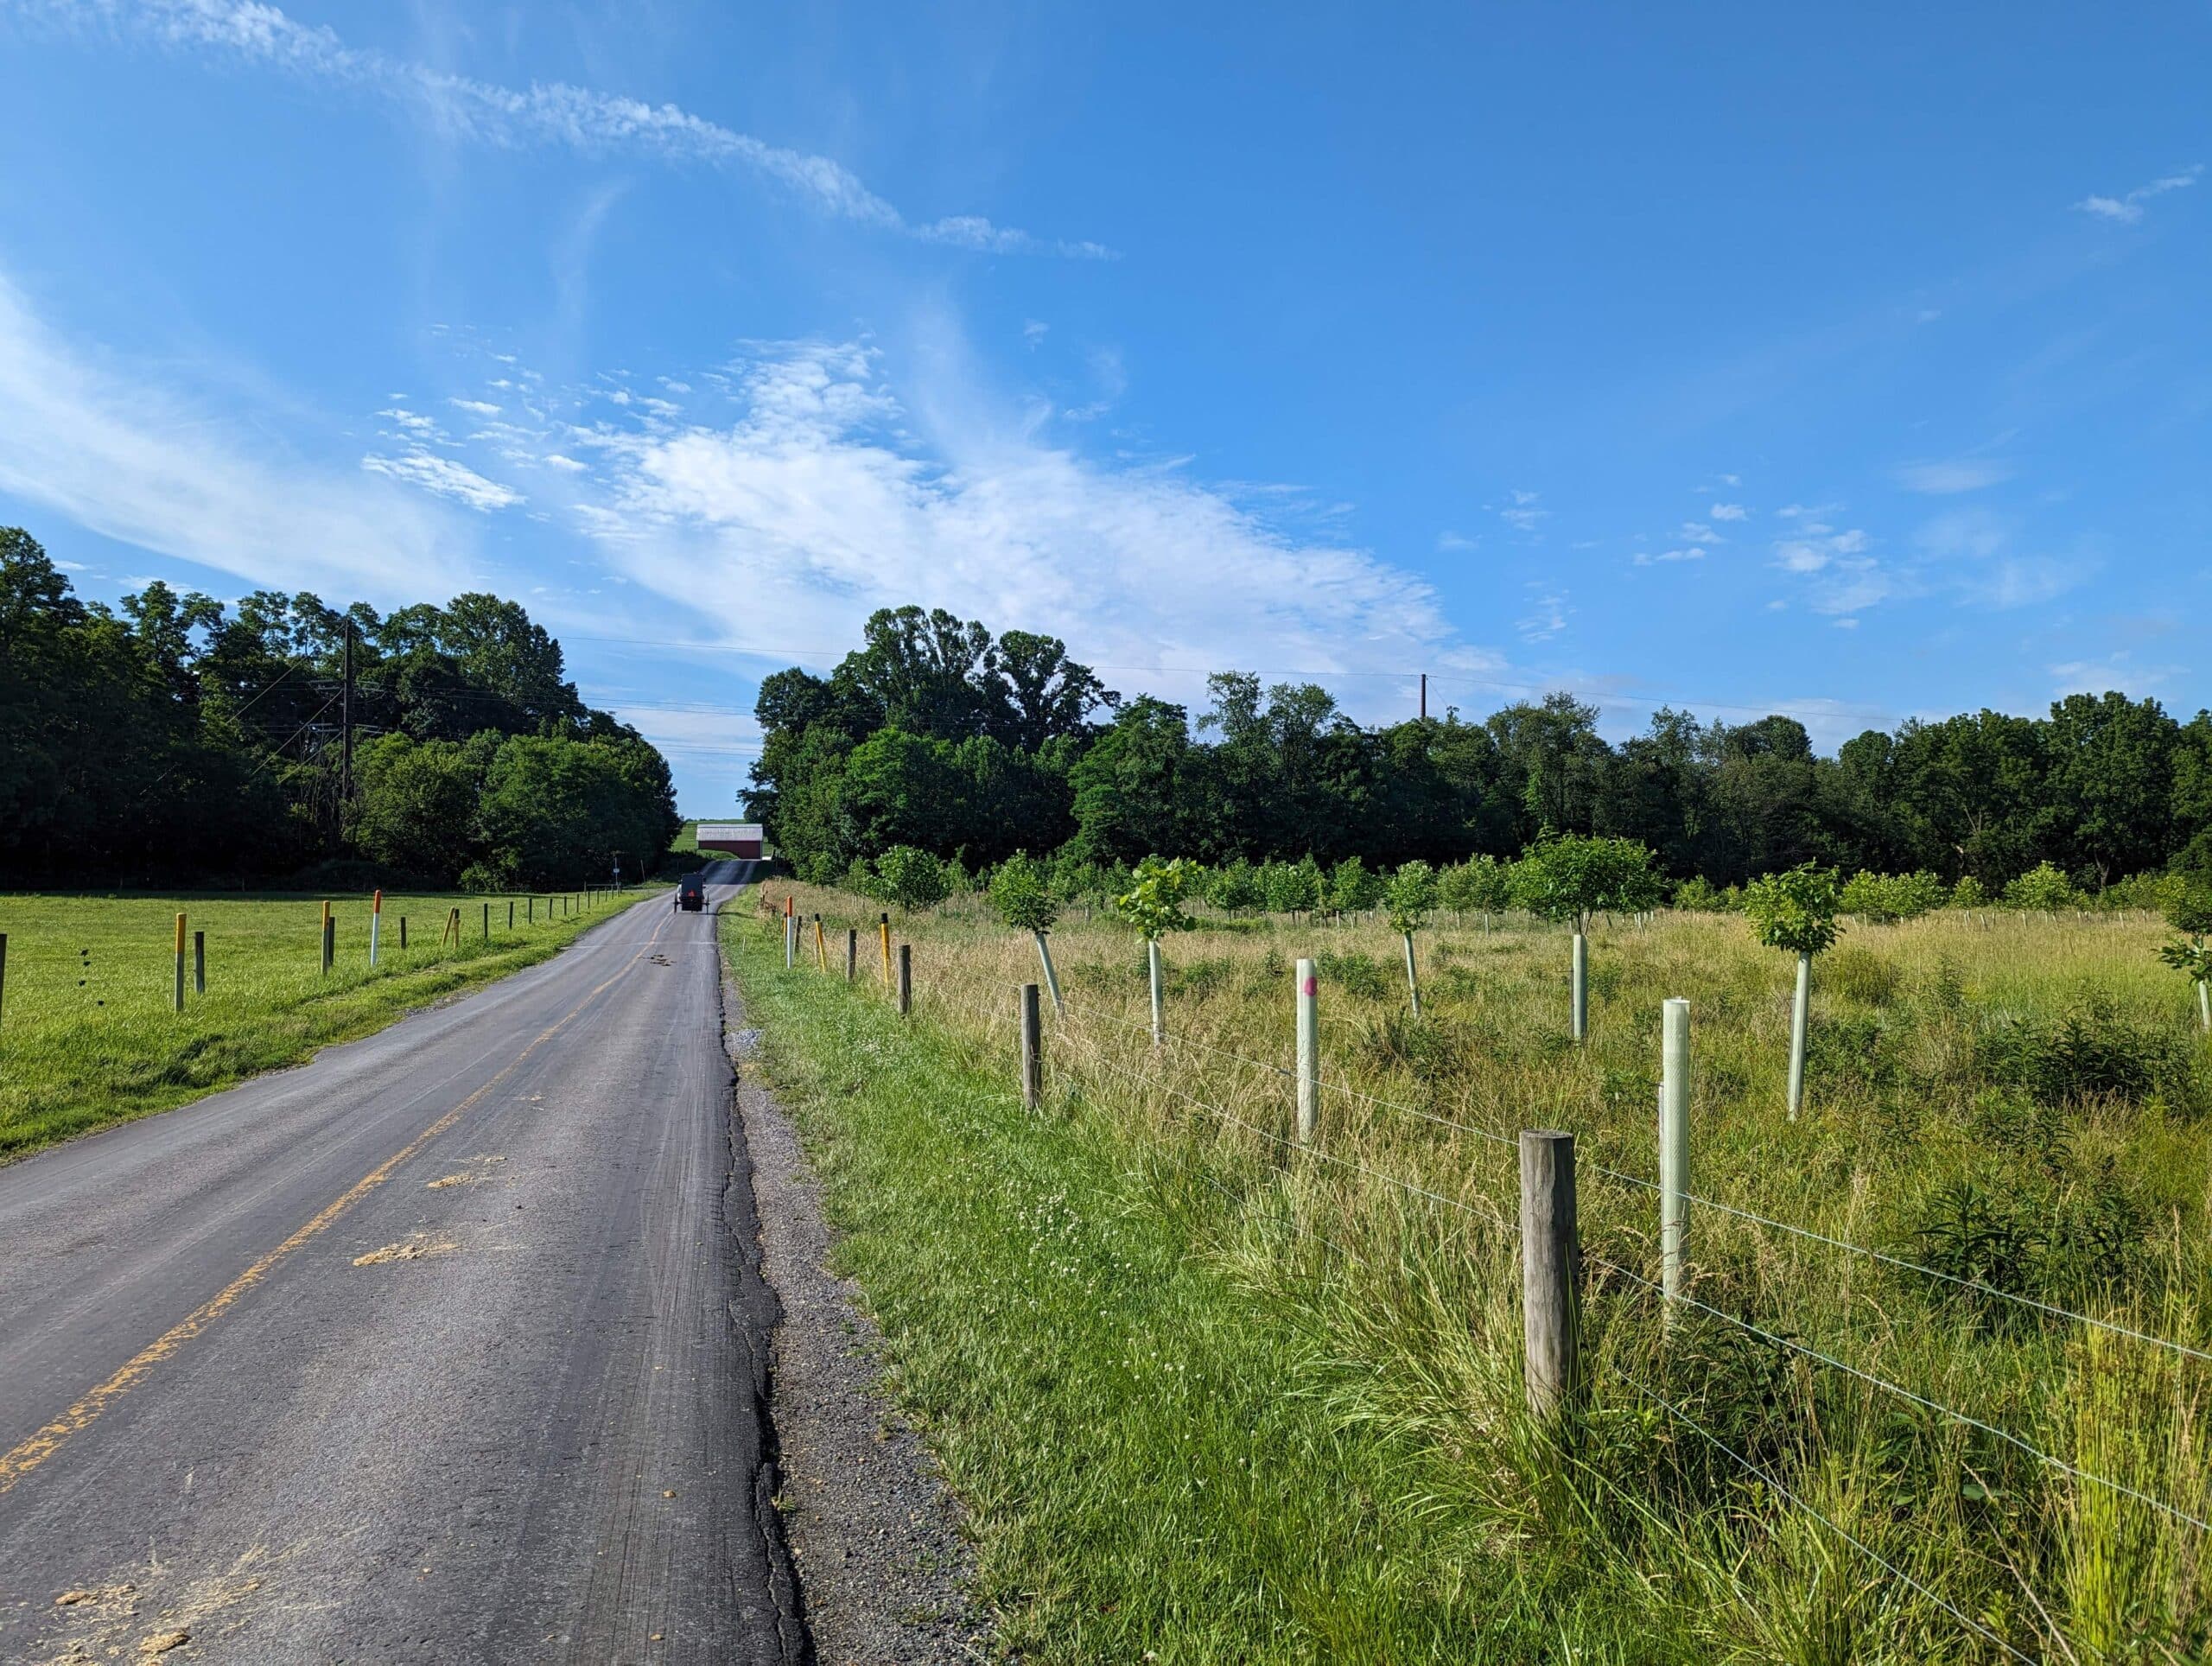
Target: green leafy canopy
[1795, 911]
[1021, 891]
[1154, 902]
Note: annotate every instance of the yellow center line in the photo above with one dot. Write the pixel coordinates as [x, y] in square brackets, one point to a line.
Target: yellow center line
[48, 1440]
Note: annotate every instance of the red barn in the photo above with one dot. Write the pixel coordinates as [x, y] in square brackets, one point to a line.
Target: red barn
[739, 839]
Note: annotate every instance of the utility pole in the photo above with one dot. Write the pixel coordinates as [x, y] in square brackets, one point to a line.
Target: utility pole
[345, 730]
[1424, 697]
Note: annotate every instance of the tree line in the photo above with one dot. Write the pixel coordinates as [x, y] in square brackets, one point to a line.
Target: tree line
[176, 738]
[937, 735]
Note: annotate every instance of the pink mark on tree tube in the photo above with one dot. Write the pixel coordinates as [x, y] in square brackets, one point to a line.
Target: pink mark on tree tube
[1311, 986]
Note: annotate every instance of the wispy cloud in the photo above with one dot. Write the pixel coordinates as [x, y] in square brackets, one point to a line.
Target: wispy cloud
[147, 465]
[1729, 511]
[419, 466]
[555, 113]
[1520, 511]
[1546, 618]
[2127, 209]
[1959, 475]
[824, 493]
[1645, 558]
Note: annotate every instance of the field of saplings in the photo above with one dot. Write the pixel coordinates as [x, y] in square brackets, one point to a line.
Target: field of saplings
[1933, 1383]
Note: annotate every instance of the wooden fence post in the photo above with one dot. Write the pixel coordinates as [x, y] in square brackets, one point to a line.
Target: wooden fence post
[4, 971]
[487, 922]
[852, 952]
[177, 1001]
[510, 914]
[1309, 1053]
[402, 934]
[1674, 1144]
[906, 978]
[1551, 1319]
[1033, 1050]
[328, 940]
[200, 962]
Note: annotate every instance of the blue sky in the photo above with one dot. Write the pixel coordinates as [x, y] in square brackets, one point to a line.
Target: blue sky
[1853, 362]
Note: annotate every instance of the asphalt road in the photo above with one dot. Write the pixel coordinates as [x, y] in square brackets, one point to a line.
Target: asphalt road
[449, 1346]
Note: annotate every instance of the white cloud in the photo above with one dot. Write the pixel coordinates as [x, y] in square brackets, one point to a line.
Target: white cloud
[1842, 578]
[1699, 532]
[148, 466]
[1730, 511]
[1962, 474]
[831, 495]
[2115, 671]
[479, 406]
[1456, 542]
[555, 113]
[1033, 331]
[1520, 512]
[2127, 209]
[1547, 617]
[445, 477]
[1645, 558]
[566, 465]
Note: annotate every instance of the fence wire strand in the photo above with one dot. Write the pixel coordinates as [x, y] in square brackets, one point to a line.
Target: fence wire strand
[1921, 1400]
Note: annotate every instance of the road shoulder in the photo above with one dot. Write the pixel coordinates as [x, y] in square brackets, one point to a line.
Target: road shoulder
[875, 1533]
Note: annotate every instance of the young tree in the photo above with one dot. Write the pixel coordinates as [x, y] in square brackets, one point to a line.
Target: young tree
[1354, 887]
[1481, 884]
[1795, 912]
[912, 878]
[2190, 911]
[1291, 888]
[1153, 904]
[1234, 885]
[1409, 896]
[2043, 888]
[1021, 892]
[1573, 877]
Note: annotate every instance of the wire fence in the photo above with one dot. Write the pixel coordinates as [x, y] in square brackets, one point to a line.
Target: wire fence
[1093, 1029]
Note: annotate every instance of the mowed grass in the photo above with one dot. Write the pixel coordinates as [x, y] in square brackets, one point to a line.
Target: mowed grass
[88, 1033]
[2018, 1101]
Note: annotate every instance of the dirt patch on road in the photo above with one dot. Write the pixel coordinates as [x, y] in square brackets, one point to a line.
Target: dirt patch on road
[418, 1248]
[875, 1533]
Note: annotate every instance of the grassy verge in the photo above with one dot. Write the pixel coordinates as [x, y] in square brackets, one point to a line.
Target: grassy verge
[1157, 1464]
[88, 1037]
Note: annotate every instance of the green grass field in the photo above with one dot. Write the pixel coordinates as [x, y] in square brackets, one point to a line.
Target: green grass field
[87, 1032]
[1186, 1372]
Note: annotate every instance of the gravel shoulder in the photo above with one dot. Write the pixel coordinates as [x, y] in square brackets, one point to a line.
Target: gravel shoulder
[873, 1532]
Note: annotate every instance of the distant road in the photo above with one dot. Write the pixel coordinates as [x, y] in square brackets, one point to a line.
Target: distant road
[448, 1347]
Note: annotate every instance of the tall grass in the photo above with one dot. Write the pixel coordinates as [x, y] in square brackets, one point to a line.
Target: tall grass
[2019, 1102]
[88, 1037]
